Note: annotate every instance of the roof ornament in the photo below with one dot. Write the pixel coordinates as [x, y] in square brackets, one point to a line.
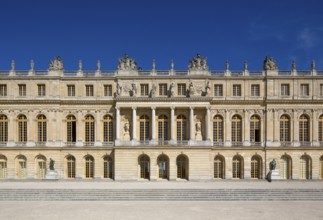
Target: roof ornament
[293, 65]
[32, 65]
[198, 63]
[127, 63]
[313, 65]
[154, 65]
[245, 65]
[270, 64]
[80, 65]
[172, 64]
[56, 65]
[98, 64]
[12, 65]
[227, 65]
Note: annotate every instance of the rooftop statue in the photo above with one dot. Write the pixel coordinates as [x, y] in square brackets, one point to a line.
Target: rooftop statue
[270, 64]
[198, 63]
[56, 65]
[126, 63]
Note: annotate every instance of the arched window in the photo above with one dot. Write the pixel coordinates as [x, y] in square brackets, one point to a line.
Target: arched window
[107, 167]
[237, 167]
[144, 128]
[284, 129]
[163, 166]
[70, 163]
[182, 167]
[162, 129]
[41, 167]
[181, 123]
[71, 129]
[217, 129]
[219, 167]
[255, 135]
[21, 167]
[286, 167]
[107, 129]
[304, 129]
[3, 129]
[3, 167]
[89, 167]
[89, 130]
[306, 167]
[321, 128]
[144, 163]
[22, 129]
[41, 128]
[236, 130]
[321, 167]
[256, 167]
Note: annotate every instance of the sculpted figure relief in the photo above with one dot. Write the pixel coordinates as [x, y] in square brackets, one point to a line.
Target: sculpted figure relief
[207, 88]
[133, 90]
[198, 126]
[51, 164]
[270, 63]
[126, 63]
[56, 65]
[119, 89]
[191, 90]
[126, 127]
[172, 90]
[153, 91]
[198, 63]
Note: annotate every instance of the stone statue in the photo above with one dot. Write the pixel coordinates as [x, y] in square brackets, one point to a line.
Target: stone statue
[98, 65]
[272, 165]
[172, 64]
[119, 89]
[153, 91]
[32, 65]
[207, 89]
[198, 126]
[198, 63]
[293, 65]
[172, 90]
[154, 65]
[126, 127]
[126, 63]
[270, 63]
[227, 65]
[56, 65]
[245, 65]
[51, 164]
[80, 65]
[133, 90]
[12, 65]
[191, 89]
[313, 65]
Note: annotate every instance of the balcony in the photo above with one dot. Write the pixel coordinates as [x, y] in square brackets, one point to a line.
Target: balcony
[218, 143]
[3, 144]
[70, 144]
[89, 143]
[108, 143]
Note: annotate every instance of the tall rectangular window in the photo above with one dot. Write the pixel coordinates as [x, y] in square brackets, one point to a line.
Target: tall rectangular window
[144, 89]
[305, 90]
[236, 90]
[89, 90]
[3, 90]
[284, 90]
[22, 89]
[218, 90]
[321, 89]
[107, 90]
[181, 89]
[163, 89]
[71, 90]
[41, 90]
[255, 90]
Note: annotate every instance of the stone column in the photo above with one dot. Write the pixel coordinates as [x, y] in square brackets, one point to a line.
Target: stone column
[134, 123]
[207, 125]
[172, 126]
[117, 126]
[294, 131]
[315, 124]
[192, 136]
[246, 129]
[80, 129]
[153, 125]
[227, 132]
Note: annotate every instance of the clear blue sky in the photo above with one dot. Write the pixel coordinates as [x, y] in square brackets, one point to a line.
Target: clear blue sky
[162, 30]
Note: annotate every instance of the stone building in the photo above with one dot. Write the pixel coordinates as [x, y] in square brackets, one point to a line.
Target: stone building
[131, 124]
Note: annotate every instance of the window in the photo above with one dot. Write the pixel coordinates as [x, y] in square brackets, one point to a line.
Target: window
[107, 167]
[305, 90]
[306, 167]
[181, 89]
[163, 89]
[237, 167]
[182, 167]
[22, 129]
[3, 167]
[89, 130]
[304, 129]
[218, 129]
[71, 129]
[3, 129]
[144, 89]
[89, 90]
[144, 163]
[21, 167]
[163, 164]
[255, 129]
[3, 90]
[286, 167]
[236, 130]
[321, 128]
[321, 89]
[144, 128]
[162, 129]
[284, 90]
[236, 90]
[71, 90]
[41, 128]
[256, 167]
[218, 90]
[107, 129]
[321, 167]
[284, 129]
[41, 167]
[219, 167]
[89, 167]
[22, 89]
[181, 123]
[255, 90]
[107, 90]
[70, 160]
[41, 90]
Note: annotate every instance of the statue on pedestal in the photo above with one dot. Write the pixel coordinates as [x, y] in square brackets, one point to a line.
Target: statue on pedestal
[119, 89]
[191, 90]
[172, 90]
[51, 164]
[198, 63]
[153, 91]
[126, 63]
[133, 90]
[207, 88]
[272, 166]
[126, 129]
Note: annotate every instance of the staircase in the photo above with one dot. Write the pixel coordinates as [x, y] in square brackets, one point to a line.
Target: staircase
[161, 194]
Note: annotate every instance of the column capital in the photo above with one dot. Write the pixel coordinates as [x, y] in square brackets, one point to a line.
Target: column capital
[208, 108]
[172, 107]
[134, 107]
[153, 107]
[117, 108]
[192, 107]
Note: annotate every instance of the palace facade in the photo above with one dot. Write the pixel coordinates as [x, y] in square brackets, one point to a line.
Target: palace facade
[131, 124]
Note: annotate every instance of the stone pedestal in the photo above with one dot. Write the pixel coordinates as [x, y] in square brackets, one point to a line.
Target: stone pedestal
[198, 136]
[126, 136]
[275, 175]
[51, 175]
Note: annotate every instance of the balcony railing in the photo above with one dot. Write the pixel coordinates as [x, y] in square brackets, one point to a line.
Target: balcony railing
[108, 143]
[71, 144]
[3, 144]
[183, 142]
[217, 73]
[162, 73]
[146, 142]
[305, 143]
[286, 143]
[88, 143]
[217, 143]
[253, 143]
[237, 143]
[40, 143]
[21, 144]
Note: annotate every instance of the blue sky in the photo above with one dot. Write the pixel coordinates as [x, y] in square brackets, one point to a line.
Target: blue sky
[162, 30]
